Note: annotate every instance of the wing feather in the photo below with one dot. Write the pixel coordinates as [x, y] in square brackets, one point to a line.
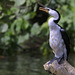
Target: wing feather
[66, 40]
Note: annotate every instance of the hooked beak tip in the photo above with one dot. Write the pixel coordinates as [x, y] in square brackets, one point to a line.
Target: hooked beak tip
[43, 9]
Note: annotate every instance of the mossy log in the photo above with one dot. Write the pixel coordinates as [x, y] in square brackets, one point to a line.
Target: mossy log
[59, 69]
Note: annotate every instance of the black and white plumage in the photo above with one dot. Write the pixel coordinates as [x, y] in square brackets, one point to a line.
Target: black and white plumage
[58, 39]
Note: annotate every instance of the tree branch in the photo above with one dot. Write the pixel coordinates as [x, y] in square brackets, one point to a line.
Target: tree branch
[60, 69]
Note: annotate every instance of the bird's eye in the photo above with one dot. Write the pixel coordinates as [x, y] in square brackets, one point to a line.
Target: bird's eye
[48, 9]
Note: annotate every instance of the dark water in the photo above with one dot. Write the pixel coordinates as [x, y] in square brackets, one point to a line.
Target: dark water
[25, 64]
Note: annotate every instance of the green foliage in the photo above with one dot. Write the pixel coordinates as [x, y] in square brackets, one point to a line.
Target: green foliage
[19, 2]
[17, 25]
[35, 30]
[45, 29]
[3, 28]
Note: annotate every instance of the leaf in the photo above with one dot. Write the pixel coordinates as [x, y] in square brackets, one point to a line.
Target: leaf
[74, 48]
[12, 17]
[14, 10]
[2, 15]
[26, 37]
[0, 8]
[12, 27]
[35, 8]
[32, 15]
[25, 24]
[45, 25]
[19, 2]
[28, 3]
[3, 28]
[27, 16]
[45, 28]
[18, 24]
[73, 3]
[35, 30]
[22, 39]
[33, 1]
[5, 40]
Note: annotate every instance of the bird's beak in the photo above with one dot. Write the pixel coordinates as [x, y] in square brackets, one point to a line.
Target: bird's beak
[43, 9]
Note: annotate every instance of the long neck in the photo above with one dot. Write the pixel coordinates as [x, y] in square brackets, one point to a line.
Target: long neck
[52, 24]
[53, 20]
[56, 18]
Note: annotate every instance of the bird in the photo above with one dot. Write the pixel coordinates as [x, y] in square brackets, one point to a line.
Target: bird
[58, 38]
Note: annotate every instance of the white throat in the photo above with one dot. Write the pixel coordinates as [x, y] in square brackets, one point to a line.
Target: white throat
[55, 16]
[51, 22]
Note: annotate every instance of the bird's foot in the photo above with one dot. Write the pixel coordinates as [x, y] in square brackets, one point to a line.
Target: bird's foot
[52, 60]
[58, 60]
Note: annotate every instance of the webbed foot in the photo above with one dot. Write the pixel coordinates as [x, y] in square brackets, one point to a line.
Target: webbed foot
[52, 60]
[58, 60]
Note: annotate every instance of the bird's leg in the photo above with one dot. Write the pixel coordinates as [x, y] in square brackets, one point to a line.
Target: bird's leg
[52, 60]
[59, 59]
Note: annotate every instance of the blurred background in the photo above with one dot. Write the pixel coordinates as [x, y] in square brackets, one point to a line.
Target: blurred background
[24, 35]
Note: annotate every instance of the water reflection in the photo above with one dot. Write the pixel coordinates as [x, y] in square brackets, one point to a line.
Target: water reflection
[25, 64]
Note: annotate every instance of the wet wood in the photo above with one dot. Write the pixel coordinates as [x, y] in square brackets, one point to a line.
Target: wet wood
[59, 69]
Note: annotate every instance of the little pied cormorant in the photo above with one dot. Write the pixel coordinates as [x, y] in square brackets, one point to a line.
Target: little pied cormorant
[58, 38]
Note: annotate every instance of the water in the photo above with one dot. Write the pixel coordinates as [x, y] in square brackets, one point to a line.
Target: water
[25, 64]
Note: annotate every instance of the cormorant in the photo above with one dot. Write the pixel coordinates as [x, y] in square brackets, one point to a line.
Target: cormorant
[58, 38]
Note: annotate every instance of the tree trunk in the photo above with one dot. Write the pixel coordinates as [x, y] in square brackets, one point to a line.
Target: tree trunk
[60, 69]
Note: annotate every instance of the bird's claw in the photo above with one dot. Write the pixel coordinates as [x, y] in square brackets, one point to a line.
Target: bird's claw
[50, 62]
[58, 60]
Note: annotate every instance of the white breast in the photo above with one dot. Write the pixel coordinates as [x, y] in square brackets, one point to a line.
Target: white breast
[55, 38]
[56, 41]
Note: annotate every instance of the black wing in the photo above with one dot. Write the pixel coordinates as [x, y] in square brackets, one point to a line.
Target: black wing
[66, 40]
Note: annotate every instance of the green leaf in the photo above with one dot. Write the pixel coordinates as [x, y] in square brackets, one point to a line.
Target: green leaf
[26, 37]
[2, 15]
[12, 27]
[25, 24]
[19, 2]
[5, 40]
[35, 8]
[45, 28]
[3, 28]
[32, 15]
[45, 25]
[28, 3]
[15, 10]
[18, 25]
[35, 30]
[33, 1]
[74, 49]
[22, 39]
[27, 16]
[0, 8]
[73, 3]
[12, 17]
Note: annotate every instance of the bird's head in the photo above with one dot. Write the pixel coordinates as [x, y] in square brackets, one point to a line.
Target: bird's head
[53, 13]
